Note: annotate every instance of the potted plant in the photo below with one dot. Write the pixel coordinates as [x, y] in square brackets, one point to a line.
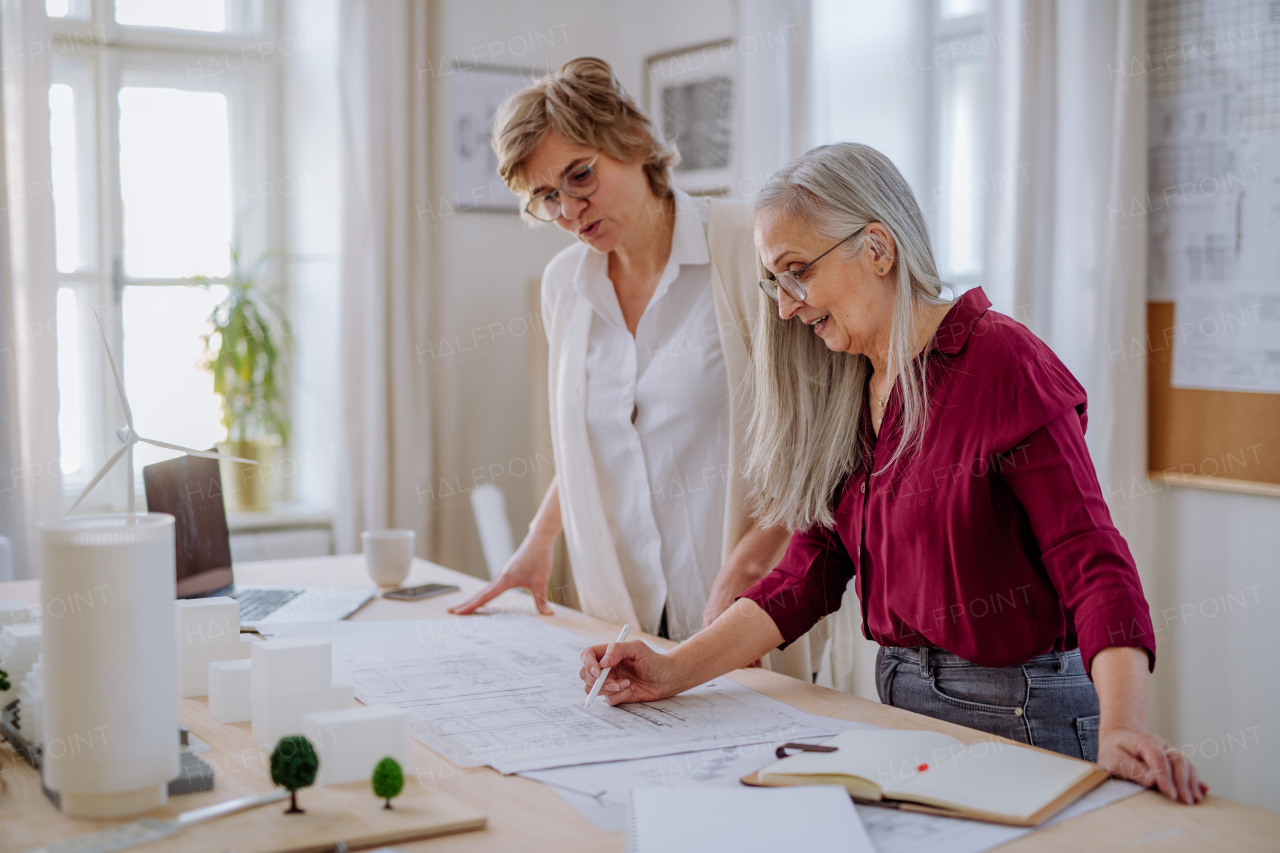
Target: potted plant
[248, 363]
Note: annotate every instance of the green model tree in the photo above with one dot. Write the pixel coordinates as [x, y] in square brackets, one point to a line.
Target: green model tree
[293, 766]
[4, 680]
[388, 780]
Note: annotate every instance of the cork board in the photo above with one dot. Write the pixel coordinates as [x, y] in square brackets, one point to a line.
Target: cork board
[1224, 440]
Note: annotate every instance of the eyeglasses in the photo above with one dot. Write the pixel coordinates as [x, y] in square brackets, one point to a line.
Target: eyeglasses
[790, 280]
[581, 182]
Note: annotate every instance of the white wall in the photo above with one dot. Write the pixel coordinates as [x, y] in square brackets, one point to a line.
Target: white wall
[1211, 584]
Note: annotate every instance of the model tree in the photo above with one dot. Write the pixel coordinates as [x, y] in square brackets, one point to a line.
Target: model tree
[4, 680]
[293, 766]
[388, 780]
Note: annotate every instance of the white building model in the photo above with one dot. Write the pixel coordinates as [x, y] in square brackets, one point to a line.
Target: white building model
[230, 686]
[351, 741]
[291, 677]
[208, 631]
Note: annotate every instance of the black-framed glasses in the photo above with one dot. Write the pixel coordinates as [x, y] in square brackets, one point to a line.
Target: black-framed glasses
[579, 182]
[790, 280]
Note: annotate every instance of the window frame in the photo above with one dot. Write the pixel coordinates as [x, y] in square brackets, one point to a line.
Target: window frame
[944, 32]
[121, 55]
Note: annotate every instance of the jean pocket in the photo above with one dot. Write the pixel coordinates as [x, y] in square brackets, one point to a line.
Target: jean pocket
[1087, 731]
[977, 689]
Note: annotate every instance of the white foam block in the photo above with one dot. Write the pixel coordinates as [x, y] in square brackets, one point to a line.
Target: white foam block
[194, 661]
[351, 741]
[292, 665]
[291, 677]
[15, 612]
[229, 690]
[207, 621]
[281, 716]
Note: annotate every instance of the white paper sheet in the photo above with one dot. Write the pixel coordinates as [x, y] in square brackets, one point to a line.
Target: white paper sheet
[504, 691]
[1213, 208]
[600, 791]
[812, 818]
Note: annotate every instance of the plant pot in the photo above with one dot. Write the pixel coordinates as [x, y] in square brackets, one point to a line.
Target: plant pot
[247, 488]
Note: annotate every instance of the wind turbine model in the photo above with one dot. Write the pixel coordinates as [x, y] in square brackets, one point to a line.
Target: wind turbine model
[130, 438]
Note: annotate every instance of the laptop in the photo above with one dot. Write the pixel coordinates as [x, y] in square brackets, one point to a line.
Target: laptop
[190, 489]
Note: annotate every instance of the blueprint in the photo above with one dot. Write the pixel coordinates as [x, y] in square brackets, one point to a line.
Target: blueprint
[504, 691]
[1212, 206]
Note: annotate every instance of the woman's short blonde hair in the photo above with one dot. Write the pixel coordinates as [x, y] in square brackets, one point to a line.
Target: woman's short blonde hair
[584, 104]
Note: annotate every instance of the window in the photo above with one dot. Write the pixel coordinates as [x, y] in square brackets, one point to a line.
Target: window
[160, 132]
[907, 78]
[959, 46]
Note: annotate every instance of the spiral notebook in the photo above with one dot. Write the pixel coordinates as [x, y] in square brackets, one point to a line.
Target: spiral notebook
[695, 820]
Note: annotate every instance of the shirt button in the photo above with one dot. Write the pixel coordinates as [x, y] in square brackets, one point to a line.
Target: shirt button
[1017, 712]
[864, 487]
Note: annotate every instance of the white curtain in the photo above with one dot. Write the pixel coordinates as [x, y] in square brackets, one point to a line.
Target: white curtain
[386, 417]
[30, 491]
[1066, 136]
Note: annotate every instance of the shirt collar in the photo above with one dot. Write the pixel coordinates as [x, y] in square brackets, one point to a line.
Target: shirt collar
[954, 331]
[688, 247]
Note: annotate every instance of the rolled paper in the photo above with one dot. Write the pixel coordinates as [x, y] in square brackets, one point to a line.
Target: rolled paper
[110, 728]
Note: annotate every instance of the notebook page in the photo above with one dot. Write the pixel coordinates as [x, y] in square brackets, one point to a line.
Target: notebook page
[998, 778]
[881, 756]
[696, 820]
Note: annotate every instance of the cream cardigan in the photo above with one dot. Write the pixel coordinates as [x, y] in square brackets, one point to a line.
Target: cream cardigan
[597, 576]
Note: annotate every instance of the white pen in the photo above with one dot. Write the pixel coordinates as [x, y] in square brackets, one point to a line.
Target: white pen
[595, 691]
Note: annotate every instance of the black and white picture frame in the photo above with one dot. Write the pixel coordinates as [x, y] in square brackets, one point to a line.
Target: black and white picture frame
[692, 96]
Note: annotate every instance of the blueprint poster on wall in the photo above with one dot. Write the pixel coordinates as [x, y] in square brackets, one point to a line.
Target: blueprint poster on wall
[1214, 189]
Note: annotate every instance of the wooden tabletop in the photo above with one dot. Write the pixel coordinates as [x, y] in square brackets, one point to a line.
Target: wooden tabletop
[526, 815]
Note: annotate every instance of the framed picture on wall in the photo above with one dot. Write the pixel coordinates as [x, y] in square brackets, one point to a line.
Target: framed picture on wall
[474, 96]
[692, 95]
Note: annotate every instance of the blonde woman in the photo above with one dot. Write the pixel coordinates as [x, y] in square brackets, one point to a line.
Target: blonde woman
[648, 318]
[934, 452]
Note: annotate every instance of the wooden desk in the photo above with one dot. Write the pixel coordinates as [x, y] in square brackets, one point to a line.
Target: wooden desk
[525, 815]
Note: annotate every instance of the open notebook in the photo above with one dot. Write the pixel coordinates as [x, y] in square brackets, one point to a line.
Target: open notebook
[930, 772]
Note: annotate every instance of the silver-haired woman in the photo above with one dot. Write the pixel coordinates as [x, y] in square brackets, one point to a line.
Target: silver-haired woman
[933, 452]
[648, 317]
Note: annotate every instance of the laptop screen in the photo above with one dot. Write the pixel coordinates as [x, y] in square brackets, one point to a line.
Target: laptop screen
[190, 489]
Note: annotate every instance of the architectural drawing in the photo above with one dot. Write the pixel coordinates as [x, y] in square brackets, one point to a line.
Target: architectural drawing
[506, 693]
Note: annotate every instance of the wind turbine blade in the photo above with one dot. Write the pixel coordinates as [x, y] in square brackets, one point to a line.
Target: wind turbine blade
[102, 472]
[207, 454]
[115, 371]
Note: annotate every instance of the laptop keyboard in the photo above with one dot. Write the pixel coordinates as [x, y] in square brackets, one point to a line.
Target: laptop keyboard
[256, 604]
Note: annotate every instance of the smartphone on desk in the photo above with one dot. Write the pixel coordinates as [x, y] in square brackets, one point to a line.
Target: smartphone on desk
[413, 593]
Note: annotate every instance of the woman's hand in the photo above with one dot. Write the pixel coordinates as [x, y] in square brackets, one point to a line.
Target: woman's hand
[639, 674]
[1149, 760]
[1125, 747]
[529, 568]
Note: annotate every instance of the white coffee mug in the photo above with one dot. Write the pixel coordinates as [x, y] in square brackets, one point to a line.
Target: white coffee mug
[388, 555]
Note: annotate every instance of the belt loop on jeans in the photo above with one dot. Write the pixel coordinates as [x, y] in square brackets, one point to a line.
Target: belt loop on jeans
[1062, 661]
[924, 663]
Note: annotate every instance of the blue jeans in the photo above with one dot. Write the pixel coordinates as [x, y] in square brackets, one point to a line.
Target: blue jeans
[1047, 702]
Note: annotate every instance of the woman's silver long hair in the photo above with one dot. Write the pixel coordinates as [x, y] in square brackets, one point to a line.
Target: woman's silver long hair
[803, 439]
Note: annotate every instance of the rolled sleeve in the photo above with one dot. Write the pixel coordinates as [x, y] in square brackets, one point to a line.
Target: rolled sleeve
[807, 585]
[1087, 559]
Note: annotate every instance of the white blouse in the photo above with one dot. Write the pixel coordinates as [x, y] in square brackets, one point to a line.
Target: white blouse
[657, 412]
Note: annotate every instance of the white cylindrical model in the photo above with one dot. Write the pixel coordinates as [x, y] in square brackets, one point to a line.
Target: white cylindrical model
[110, 664]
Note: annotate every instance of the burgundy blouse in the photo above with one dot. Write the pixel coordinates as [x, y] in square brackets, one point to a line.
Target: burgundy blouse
[993, 542]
